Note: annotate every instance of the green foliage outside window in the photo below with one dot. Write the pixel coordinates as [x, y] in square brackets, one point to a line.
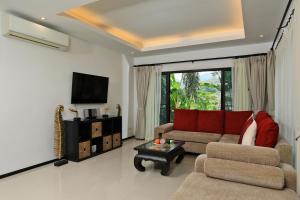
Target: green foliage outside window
[195, 90]
[193, 93]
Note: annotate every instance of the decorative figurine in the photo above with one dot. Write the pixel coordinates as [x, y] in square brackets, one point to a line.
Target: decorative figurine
[59, 137]
[74, 110]
[119, 110]
[106, 109]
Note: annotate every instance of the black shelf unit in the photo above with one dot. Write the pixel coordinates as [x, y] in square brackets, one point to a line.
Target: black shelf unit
[81, 137]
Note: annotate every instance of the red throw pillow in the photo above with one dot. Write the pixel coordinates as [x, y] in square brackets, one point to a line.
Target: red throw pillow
[267, 133]
[235, 120]
[245, 127]
[261, 116]
[185, 120]
[210, 121]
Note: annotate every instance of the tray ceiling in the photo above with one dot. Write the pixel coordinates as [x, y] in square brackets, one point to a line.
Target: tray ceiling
[160, 24]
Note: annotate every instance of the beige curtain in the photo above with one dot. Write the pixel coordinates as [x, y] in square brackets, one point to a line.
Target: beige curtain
[153, 102]
[271, 82]
[257, 79]
[142, 85]
[241, 94]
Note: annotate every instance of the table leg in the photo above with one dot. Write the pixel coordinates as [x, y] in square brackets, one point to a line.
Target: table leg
[180, 156]
[138, 163]
[165, 168]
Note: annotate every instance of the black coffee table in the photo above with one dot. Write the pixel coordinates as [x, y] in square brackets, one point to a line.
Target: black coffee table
[161, 155]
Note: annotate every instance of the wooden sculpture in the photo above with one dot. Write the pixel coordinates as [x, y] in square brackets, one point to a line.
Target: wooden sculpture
[59, 137]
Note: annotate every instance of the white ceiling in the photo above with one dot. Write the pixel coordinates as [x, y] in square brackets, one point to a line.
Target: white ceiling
[150, 19]
[158, 18]
[160, 24]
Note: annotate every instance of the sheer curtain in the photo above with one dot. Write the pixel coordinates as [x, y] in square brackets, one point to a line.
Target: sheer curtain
[241, 95]
[153, 102]
[286, 84]
[142, 86]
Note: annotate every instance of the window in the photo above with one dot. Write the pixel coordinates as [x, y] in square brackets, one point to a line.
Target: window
[201, 90]
[163, 106]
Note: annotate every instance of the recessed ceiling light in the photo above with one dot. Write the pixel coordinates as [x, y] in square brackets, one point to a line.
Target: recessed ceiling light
[261, 36]
[43, 18]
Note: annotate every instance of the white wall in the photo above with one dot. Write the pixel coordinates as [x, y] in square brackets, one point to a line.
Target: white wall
[33, 81]
[204, 54]
[127, 89]
[297, 87]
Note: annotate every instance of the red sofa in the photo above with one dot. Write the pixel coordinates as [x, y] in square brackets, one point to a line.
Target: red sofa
[198, 128]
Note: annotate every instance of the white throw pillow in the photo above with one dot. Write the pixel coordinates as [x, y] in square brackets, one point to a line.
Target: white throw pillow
[250, 134]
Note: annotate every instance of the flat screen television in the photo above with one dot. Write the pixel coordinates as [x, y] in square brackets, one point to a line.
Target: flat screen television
[89, 89]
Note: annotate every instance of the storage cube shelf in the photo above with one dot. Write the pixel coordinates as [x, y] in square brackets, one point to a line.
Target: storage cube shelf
[85, 139]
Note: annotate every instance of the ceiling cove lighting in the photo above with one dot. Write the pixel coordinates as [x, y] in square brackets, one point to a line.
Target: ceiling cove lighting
[226, 32]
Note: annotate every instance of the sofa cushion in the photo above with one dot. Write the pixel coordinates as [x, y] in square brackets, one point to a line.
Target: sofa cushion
[250, 135]
[234, 121]
[198, 186]
[246, 125]
[261, 115]
[210, 121]
[195, 147]
[229, 138]
[243, 153]
[185, 120]
[187, 136]
[247, 173]
[267, 133]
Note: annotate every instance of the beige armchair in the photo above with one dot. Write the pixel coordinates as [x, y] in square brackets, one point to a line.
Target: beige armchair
[232, 171]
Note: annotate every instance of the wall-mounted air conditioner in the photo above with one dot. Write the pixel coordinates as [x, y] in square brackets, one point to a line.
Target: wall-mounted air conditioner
[15, 27]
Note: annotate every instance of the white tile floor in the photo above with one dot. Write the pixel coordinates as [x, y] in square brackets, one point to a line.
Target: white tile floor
[110, 176]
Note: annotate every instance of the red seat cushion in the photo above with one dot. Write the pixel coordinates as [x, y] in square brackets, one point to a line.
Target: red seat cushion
[185, 120]
[245, 127]
[235, 120]
[210, 121]
[261, 116]
[267, 133]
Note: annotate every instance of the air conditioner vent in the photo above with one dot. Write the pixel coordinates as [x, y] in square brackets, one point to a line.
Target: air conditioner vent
[18, 28]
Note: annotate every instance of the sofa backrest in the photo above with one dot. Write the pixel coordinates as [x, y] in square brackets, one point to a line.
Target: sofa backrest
[210, 121]
[252, 165]
[222, 122]
[199, 121]
[243, 153]
[246, 173]
[185, 120]
[234, 121]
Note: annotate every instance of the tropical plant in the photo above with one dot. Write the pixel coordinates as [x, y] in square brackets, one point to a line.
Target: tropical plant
[192, 93]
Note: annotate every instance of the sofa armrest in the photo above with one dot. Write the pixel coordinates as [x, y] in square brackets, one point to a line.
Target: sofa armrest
[199, 163]
[163, 129]
[243, 153]
[290, 176]
[285, 151]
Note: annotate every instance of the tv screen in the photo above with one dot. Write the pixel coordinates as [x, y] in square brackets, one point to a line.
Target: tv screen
[89, 89]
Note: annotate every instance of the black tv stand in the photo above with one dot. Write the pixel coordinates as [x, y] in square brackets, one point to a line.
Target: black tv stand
[92, 137]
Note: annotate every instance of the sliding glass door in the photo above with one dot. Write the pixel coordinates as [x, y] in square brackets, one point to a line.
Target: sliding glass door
[201, 90]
